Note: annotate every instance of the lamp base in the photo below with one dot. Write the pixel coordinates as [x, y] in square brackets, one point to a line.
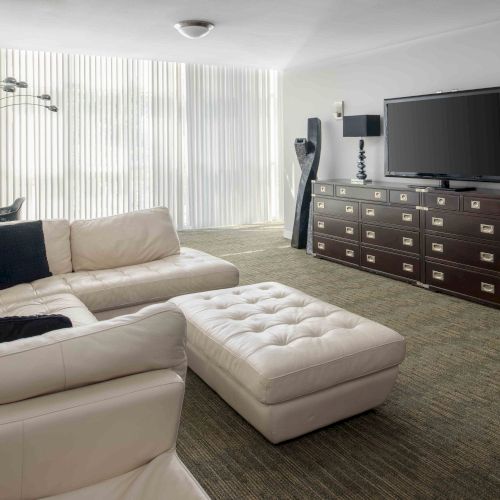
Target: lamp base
[361, 182]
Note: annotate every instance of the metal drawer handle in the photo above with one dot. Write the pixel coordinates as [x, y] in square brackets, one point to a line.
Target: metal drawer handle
[349, 209]
[437, 247]
[370, 212]
[438, 275]
[488, 228]
[321, 246]
[349, 230]
[322, 189]
[407, 242]
[320, 204]
[441, 201]
[487, 257]
[370, 258]
[349, 253]
[370, 234]
[407, 267]
[437, 221]
[403, 197]
[342, 191]
[407, 217]
[321, 224]
[487, 287]
[475, 204]
[378, 195]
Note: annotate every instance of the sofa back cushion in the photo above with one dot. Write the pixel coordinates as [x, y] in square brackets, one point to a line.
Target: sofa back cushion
[123, 240]
[57, 245]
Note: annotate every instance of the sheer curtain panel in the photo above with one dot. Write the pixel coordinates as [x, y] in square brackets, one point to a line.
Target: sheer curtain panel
[203, 140]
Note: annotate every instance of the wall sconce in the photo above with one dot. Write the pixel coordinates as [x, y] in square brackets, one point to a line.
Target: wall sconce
[338, 110]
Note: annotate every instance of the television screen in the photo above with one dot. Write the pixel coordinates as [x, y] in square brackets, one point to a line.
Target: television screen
[454, 135]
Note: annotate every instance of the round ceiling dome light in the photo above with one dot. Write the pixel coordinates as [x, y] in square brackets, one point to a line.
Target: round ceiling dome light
[194, 29]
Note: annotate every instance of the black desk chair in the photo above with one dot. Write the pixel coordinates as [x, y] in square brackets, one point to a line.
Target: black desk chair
[12, 212]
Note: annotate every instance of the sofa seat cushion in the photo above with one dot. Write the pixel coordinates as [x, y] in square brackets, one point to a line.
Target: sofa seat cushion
[23, 300]
[280, 344]
[156, 281]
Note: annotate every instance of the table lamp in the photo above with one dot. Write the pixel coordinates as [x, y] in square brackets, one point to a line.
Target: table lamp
[361, 126]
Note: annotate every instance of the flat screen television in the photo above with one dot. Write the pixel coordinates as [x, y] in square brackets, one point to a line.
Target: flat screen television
[446, 136]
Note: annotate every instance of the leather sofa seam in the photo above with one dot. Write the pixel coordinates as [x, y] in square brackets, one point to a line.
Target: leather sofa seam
[127, 393]
[55, 342]
[340, 358]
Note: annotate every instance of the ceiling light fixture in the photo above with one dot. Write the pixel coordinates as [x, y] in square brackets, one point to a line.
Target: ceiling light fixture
[194, 29]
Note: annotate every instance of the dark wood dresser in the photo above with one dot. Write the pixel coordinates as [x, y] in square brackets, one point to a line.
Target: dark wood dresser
[442, 240]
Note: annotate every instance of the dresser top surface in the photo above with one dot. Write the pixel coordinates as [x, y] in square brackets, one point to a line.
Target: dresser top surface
[491, 193]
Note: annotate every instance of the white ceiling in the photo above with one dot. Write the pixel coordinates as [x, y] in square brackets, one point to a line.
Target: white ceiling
[267, 33]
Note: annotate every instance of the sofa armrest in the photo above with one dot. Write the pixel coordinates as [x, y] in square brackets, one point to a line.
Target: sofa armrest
[61, 442]
[151, 339]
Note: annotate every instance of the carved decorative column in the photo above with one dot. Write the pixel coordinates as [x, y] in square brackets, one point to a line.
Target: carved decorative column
[308, 153]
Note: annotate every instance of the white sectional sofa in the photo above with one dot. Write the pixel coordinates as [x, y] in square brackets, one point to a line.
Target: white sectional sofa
[92, 411]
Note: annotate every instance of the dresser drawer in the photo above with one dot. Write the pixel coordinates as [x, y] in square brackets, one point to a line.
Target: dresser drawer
[478, 205]
[390, 215]
[404, 197]
[326, 247]
[454, 279]
[337, 208]
[336, 227]
[321, 188]
[444, 201]
[463, 252]
[407, 241]
[390, 263]
[361, 193]
[468, 225]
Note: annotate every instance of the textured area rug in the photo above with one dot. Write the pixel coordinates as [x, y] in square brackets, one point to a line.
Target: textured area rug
[436, 436]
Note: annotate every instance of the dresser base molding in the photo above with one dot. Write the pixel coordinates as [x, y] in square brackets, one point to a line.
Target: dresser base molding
[443, 241]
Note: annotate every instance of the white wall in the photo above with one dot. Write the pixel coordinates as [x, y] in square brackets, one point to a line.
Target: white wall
[465, 60]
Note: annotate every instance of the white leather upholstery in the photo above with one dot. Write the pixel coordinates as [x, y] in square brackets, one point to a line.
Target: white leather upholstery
[151, 339]
[57, 245]
[164, 478]
[295, 417]
[65, 441]
[21, 300]
[123, 240]
[110, 289]
[109, 431]
[279, 344]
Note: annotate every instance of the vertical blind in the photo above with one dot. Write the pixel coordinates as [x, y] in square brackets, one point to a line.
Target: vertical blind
[132, 134]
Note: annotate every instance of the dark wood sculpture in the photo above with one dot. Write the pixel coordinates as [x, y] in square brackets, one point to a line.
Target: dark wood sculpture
[308, 153]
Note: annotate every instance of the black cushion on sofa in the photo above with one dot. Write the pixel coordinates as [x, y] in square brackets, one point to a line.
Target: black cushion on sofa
[21, 327]
[22, 253]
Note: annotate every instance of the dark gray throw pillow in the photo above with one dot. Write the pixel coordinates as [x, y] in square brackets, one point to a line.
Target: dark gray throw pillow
[21, 327]
[22, 253]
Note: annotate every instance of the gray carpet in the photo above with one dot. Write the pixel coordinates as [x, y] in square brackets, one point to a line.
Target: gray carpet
[437, 435]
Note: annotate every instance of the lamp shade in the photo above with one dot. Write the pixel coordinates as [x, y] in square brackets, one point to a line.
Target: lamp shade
[362, 126]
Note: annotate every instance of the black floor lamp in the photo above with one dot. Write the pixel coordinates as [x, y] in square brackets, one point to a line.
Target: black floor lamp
[11, 85]
[361, 126]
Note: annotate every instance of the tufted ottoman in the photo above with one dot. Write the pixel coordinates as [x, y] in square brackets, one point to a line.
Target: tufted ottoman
[285, 361]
